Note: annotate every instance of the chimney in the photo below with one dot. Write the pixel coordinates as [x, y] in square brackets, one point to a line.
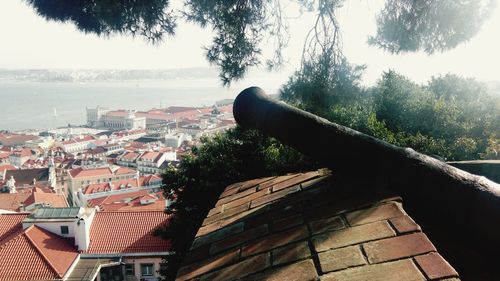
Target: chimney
[82, 228]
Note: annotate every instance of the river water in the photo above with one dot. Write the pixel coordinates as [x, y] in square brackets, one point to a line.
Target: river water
[44, 105]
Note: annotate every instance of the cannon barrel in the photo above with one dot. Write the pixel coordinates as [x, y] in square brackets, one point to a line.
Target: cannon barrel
[433, 190]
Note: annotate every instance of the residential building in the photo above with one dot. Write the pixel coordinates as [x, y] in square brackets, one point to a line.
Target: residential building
[151, 162]
[150, 183]
[128, 159]
[19, 157]
[78, 144]
[81, 244]
[80, 177]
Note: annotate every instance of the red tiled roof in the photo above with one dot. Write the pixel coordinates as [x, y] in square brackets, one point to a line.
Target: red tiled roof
[12, 201]
[15, 139]
[151, 155]
[36, 254]
[81, 172]
[127, 232]
[130, 155]
[108, 186]
[124, 171]
[78, 140]
[7, 167]
[4, 155]
[116, 198]
[54, 199]
[10, 224]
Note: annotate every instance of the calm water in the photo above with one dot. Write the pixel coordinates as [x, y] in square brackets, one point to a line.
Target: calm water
[31, 105]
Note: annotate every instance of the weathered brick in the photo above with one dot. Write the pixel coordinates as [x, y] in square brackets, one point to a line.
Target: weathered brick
[378, 213]
[341, 258]
[218, 234]
[352, 235]
[398, 247]
[287, 222]
[294, 181]
[214, 211]
[193, 270]
[246, 199]
[300, 271]
[240, 269]
[291, 253]
[196, 255]
[274, 181]
[226, 214]
[239, 239]
[404, 224]
[328, 206]
[255, 183]
[229, 191]
[434, 266]
[204, 230]
[273, 214]
[273, 196]
[402, 270]
[236, 196]
[275, 240]
[329, 224]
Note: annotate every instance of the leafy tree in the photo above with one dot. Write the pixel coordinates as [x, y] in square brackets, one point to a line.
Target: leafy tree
[240, 26]
[226, 158]
[408, 25]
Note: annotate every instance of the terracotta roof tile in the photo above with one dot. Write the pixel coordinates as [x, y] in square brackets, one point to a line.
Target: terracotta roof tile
[12, 201]
[132, 232]
[54, 199]
[9, 224]
[36, 254]
[81, 172]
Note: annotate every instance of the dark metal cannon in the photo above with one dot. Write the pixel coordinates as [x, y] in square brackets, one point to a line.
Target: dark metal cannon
[459, 203]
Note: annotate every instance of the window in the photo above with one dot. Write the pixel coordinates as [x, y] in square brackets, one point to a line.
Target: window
[129, 269]
[147, 269]
[64, 229]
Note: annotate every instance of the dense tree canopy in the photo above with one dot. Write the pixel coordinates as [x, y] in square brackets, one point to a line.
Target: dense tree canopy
[451, 117]
[227, 158]
[240, 26]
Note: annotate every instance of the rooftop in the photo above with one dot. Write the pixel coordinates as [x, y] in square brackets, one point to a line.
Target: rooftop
[94, 172]
[55, 213]
[35, 254]
[127, 232]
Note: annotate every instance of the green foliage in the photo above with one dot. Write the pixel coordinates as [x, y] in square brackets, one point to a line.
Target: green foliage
[322, 83]
[219, 161]
[240, 26]
[150, 18]
[409, 25]
[451, 117]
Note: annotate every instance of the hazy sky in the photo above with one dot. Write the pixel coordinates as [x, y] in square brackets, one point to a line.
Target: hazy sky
[28, 41]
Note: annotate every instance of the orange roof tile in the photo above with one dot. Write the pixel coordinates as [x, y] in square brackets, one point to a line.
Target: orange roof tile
[150, 155]
[81, 172]
[9, 224]
[132, 232]
[36, 254]
[124, 171]
[12, 201]
[54, 199]
[130, 155]
[7, 167]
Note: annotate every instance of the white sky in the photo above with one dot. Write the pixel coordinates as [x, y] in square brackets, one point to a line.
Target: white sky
[29, 41]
